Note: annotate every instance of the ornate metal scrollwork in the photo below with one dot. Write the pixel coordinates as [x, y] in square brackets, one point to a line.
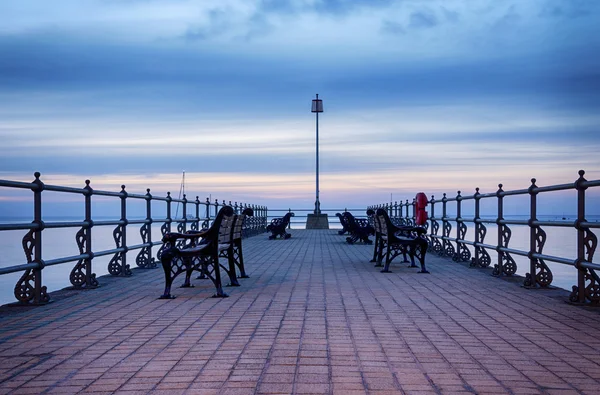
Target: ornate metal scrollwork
[144, 257]
[482, 257]
[24, 290]
[462, 254]
[448, 247]
[509, 266]
[164, 229]
[543, 274]
[78, 276]
[436, 245]
[116, 266]
[592, 289]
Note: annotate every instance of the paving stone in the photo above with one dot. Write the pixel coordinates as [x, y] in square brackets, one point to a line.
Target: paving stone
[315, 317]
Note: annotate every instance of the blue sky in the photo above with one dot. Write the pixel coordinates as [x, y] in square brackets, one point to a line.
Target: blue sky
[425, 95]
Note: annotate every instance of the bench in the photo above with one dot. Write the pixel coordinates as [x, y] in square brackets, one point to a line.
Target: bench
[396, 240]
[344, 221]
[359, 229]
[197, 251]
[236, 244]
[278, 225]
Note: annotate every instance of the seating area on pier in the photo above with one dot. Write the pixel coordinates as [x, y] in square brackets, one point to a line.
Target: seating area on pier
[315, 316]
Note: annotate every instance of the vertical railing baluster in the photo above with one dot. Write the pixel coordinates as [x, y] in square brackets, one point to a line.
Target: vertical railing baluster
[499, 268]
[457, 254]
[531, 280]
[29, 288]
[144, 258]
[81, 275]
[118, 264]
[587, 242]
[475, 260]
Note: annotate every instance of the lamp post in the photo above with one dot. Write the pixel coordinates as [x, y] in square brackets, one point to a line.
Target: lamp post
[317, 107]
[317, 220]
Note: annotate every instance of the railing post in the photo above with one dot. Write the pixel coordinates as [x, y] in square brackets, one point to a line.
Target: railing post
[196, 223]
[166, 226]
[446, 229]
[500, 202]
[539, 274]
[290, 223]
[118, 264]
[459, 229]
[25, 291]
[216, 207]
[144, 258]
[532, 281]
[81, 274]
[587, 242]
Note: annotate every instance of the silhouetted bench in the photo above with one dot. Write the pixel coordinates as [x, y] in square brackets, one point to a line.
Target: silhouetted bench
[199, 252]
[278, 225]
[396, 240]
[359, 229]
[344, 221]
[236, 244]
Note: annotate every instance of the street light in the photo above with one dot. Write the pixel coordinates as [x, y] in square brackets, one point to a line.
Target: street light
[317, 220]
[317, 107]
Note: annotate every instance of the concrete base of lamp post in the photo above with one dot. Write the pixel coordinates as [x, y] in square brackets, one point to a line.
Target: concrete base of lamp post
[317, 221]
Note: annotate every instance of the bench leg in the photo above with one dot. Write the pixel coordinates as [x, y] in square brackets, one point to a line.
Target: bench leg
[172, 266]
[240, 256]
[217, 278]
[188, 275]
[388, 261]
[420, 252]
[382, 245]
[233, 282]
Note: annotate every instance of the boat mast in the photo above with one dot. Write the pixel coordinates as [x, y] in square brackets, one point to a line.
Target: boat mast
[181, 193]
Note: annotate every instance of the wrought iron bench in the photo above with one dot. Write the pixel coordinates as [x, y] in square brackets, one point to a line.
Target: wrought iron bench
[396, 240]
[236, 242]
[344, 221]
[359, 229]
[278, 225]
[197, 250]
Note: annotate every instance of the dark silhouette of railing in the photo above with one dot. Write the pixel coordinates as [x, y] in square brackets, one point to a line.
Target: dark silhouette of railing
[29, 288]
[587, 289]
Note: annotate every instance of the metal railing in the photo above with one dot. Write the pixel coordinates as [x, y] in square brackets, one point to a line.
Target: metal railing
[587, 289]
[29, 289]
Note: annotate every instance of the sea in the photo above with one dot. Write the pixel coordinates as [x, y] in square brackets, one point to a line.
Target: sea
[60, 242]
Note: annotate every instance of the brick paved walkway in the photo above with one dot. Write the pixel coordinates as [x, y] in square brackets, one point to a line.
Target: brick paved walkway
[315, 317]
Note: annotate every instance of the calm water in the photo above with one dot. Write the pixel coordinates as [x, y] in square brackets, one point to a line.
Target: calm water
[57, 243]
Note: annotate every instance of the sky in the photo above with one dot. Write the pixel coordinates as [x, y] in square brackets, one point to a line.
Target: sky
[428, 95]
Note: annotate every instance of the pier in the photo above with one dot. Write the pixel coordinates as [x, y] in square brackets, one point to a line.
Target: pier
[314, 317]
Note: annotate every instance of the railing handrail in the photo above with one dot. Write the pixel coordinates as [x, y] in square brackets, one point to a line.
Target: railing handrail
[29, 288]
[539, 274]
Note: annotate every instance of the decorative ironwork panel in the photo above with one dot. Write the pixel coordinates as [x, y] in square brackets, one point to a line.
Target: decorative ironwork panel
[164, 229]
[543, 274]
[144, 257]
[508, 264]
[436, 245]
[482, 257]
[24, 290]
[448, 247]
[592, 280]
[79, 274]
[116, 266]
[463, 254]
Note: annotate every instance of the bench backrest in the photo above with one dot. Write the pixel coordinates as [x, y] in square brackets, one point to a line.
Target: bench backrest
[239, 222]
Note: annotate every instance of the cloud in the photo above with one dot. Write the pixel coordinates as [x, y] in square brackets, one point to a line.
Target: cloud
[423, 19]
